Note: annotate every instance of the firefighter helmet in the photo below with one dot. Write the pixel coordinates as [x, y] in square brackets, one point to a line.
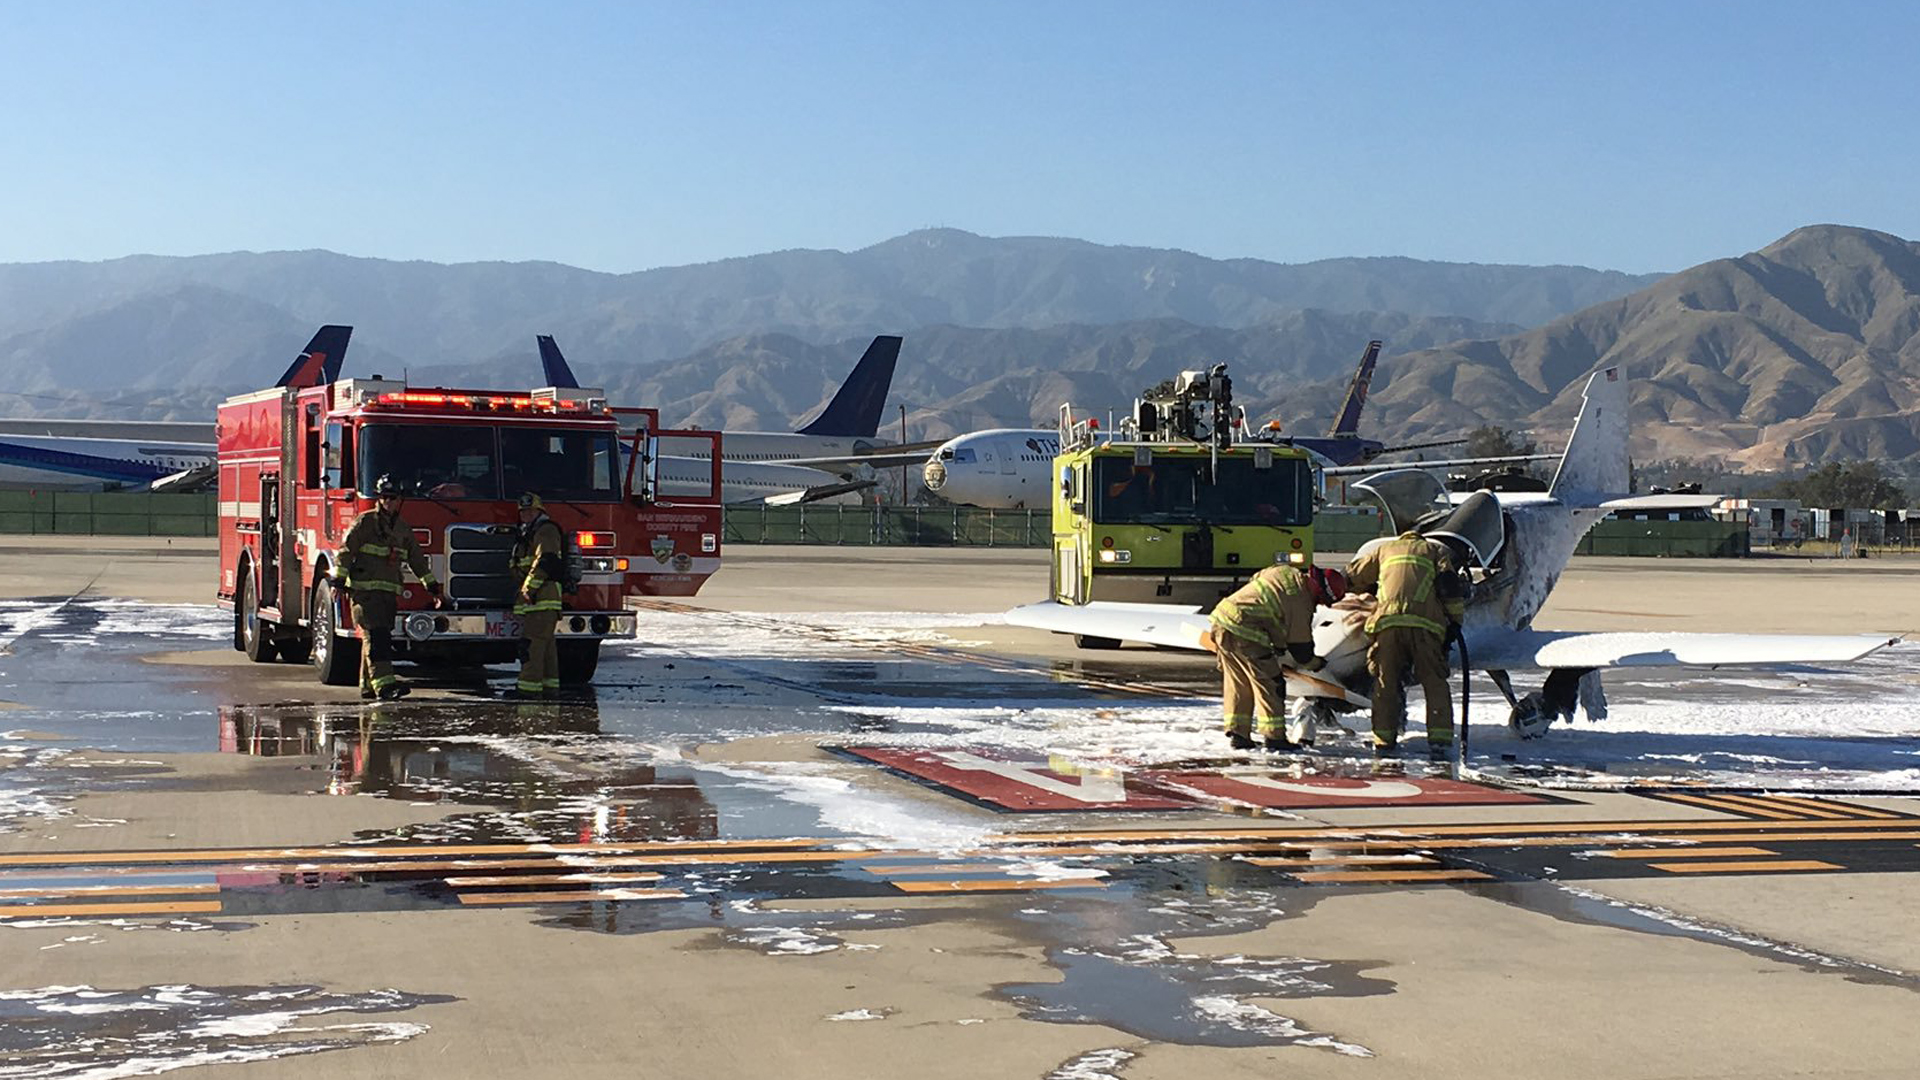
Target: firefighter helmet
[530, 501]
[386, 485]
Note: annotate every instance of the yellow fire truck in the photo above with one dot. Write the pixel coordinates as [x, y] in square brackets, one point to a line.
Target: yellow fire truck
[1170, 508]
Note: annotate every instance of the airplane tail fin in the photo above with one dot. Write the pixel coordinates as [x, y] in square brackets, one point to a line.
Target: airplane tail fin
[855, 409]
[320, 361]
[1594, 466]
[1347, 423]
[554, 366]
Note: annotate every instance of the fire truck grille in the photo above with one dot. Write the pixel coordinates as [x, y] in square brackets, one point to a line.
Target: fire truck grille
[479, 573]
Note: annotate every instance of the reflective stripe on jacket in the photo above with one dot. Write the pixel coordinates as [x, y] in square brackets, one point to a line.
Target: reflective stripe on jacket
[375, 546]
[1273, 609]
[536, 543]
[1404, 575]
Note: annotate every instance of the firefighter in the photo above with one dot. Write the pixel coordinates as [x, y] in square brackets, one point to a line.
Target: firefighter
[1419, 597]
[1271, 612]
[536, 557]
[369, 570]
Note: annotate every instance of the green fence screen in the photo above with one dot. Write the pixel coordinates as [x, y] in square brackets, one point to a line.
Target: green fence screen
[116, 513]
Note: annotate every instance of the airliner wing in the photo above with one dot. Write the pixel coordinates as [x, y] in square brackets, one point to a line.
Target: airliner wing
[1449, 463]
[198, 478]
[1516, 649]
[880, 457]
[815, 493]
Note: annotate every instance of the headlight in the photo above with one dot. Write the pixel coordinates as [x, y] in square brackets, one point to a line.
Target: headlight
[1112, 555]
[1297, 558]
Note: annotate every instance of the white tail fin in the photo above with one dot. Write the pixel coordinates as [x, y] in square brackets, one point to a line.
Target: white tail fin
[1594, 466]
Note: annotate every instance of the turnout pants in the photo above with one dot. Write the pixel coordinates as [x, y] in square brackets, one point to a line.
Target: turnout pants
[1396, 649]
[373, 614]
[539, 655]
[1253, 694]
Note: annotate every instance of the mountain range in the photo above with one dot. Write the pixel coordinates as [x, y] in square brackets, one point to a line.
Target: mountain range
[1805, 350]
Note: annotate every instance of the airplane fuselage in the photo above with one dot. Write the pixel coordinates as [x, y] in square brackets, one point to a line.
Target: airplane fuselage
[62, 463]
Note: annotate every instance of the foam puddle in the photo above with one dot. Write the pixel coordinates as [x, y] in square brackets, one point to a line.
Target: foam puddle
[81, 1033]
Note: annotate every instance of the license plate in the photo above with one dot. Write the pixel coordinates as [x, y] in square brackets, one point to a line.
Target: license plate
[503, 626]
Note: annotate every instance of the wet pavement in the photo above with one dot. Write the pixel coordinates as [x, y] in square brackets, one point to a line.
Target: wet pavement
[689, 791]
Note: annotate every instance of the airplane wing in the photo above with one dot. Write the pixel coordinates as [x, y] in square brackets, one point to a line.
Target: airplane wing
[1168, 625]
[1449, 463]
[198, 478]
[815, 493]
[1516, 649]
[880, 457]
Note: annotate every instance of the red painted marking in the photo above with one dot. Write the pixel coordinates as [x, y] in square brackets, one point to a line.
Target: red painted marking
[1028, 786]
[1279, 791]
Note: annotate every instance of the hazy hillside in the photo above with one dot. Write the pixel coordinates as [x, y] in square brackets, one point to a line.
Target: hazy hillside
[1806, 349]
[958, 379]
[81, 318]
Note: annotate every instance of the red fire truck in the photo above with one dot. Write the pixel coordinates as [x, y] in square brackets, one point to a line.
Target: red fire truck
[297, 463]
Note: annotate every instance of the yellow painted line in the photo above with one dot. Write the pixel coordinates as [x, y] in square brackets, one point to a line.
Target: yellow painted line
[567, 897]
[549, 879]
[998, 885]
[1854, 809]
[1390, 876]
[1685, 852]
[47, 911]
[1743, 867]
[1768, 802]
[1340, 860]
[261, 855]
[1398, 832]
[1728, 804]
[107, 890]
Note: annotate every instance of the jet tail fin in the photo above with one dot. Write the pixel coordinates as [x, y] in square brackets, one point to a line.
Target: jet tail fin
[554, 366]
[1593, 467]
[855, 410]
[1347, 422]
[320, 361]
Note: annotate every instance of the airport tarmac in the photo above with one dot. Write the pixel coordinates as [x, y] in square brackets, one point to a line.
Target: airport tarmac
[830, 818]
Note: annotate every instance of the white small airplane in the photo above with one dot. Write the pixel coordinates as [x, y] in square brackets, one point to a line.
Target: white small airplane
[1517, 543]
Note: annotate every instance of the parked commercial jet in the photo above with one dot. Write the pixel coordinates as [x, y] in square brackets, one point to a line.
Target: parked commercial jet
[831, 458]
[69, 463]
[1011, 468]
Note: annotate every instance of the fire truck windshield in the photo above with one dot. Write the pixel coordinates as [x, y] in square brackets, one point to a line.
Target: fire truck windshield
[483, 461]
[437, 461]
[1179, 491]
[574, 466]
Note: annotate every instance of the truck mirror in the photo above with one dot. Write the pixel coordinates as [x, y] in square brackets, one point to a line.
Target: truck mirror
[1066, 481]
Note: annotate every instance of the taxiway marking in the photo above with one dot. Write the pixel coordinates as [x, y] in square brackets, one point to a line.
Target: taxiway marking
[1685, 852]
[1734, 866]
[496, 899]
[48, 911]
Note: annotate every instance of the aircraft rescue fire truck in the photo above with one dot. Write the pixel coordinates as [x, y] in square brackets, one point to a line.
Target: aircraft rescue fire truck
[297, 464]
[1171, 509]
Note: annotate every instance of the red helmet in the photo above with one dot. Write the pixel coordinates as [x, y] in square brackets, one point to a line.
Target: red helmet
[1329, 586]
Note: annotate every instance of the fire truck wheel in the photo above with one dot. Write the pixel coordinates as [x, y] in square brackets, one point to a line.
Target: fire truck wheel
[1089, 641]
[256, 633]
[578, 661]
[336, 659]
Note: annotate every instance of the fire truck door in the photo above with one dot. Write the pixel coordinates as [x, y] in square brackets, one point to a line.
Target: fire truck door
[286, 523]
[269, 539]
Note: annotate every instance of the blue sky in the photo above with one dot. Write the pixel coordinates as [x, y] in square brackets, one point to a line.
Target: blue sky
[621, 136]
